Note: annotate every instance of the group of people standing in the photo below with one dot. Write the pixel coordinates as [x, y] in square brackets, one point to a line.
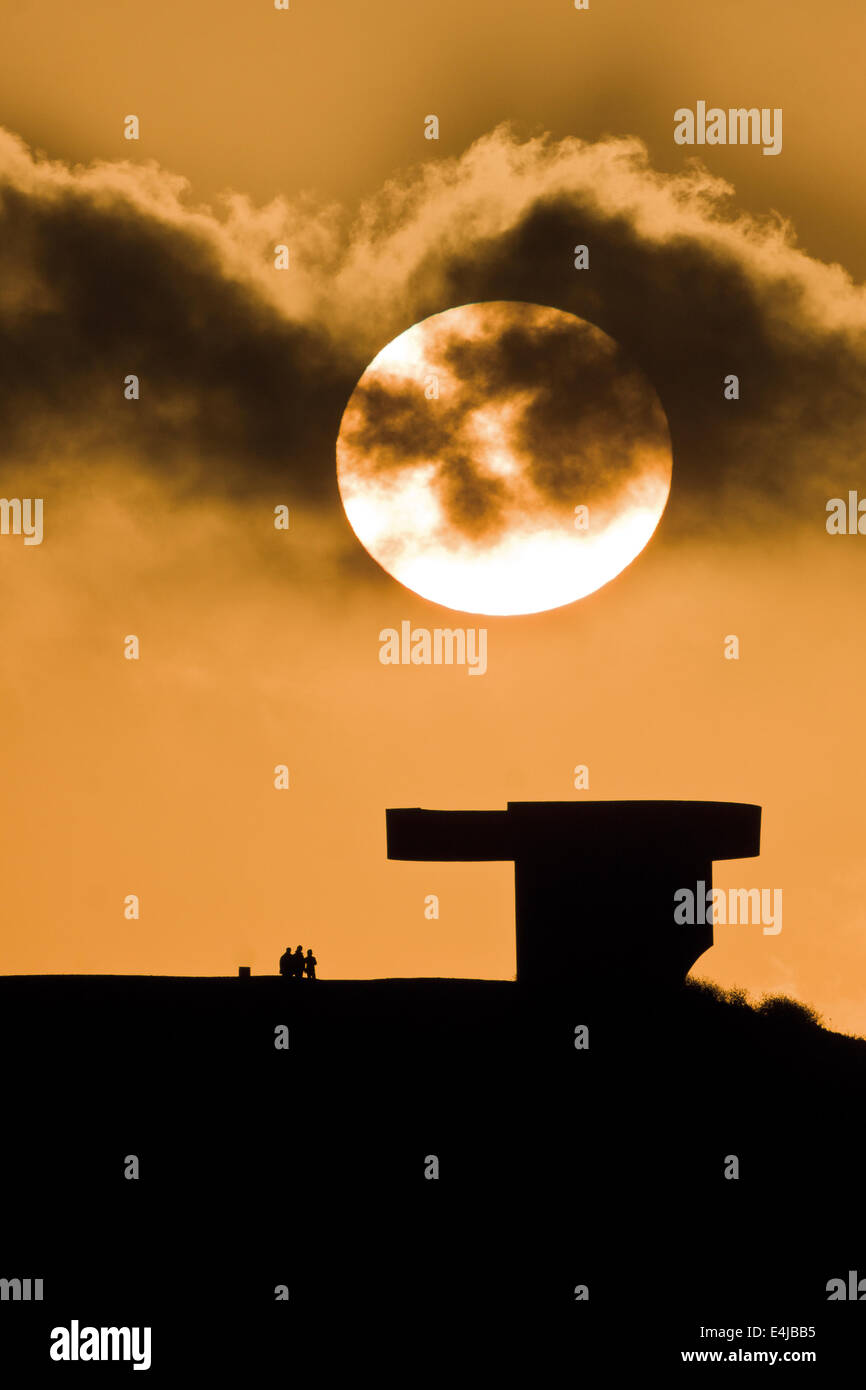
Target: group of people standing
[295, 965]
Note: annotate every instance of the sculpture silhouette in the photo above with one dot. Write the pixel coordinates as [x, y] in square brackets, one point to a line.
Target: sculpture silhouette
[594, 880]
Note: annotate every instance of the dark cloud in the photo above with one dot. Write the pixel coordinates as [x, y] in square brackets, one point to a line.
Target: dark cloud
[234, 396]
[244, 382]
[689, 315]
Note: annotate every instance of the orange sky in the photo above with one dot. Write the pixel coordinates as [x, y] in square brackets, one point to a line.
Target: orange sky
[155, 777]
[261, 647]
[332, 95]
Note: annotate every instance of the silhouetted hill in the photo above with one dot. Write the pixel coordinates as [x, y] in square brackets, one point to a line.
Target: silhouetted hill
[305, 1166]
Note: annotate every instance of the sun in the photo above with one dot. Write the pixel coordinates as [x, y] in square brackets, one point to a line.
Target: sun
[503, 458]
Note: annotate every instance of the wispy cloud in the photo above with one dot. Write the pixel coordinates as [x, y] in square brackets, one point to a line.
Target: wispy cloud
[113, 268]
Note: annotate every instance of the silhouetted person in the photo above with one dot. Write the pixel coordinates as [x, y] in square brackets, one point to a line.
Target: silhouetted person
[286, 966]
[298, 963]
[310, 965]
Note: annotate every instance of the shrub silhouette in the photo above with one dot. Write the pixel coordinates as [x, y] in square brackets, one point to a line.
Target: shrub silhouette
[778, 1008]
[789, 1013]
